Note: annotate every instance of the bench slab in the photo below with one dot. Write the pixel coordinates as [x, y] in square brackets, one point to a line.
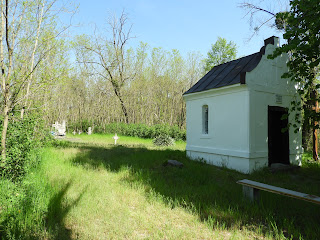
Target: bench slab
[247, 184]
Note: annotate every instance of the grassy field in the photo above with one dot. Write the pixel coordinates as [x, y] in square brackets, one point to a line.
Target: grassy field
[103, 191]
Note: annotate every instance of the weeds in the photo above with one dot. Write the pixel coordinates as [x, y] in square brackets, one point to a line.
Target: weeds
[93, 189]
[24, 206]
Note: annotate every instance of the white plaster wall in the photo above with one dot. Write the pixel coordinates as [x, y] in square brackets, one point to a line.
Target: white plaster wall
[266, 76]
[228, 122]
[259, 102]
[264, 83]
[238, 118]
[241, 164]
[232, 162]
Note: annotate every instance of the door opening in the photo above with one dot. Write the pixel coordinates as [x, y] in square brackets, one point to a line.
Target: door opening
[278, 139]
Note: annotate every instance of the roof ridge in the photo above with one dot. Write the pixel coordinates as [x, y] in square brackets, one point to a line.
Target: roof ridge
[235, 59]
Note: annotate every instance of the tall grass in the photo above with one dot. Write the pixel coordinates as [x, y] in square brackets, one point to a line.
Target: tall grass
[92, 189]
[209, 195]
[24, 206]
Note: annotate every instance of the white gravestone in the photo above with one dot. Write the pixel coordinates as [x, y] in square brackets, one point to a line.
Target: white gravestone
[89, 131]
[115, 137]
[60, 129]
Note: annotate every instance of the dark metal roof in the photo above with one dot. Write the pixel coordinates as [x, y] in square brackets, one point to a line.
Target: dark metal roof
[231, 72]
[227, 74]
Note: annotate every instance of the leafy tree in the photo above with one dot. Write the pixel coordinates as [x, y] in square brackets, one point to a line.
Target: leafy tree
[302, 28]
[25, 44]
[221, 51]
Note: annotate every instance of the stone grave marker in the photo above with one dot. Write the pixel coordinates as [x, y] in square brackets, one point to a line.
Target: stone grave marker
[115, 137]
[60, 129]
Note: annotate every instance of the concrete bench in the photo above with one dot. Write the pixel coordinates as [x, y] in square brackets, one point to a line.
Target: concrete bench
[251, 191]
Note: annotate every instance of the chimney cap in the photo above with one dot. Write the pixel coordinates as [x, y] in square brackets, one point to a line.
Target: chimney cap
[270, 40]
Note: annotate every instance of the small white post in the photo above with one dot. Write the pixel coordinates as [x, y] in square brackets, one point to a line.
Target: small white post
[115, 137]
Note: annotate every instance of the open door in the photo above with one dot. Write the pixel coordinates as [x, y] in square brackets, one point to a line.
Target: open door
[278, 141]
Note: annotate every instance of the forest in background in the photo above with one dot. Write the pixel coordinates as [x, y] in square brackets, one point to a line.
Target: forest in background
[97, 80]
[152, 94]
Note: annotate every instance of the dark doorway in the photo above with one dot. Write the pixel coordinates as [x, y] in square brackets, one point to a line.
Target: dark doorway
[278, 139]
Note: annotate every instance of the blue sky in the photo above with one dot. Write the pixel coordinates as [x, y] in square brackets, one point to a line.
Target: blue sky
[184, 25]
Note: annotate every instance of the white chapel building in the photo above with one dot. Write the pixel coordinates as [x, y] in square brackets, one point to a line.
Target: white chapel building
[234, 114]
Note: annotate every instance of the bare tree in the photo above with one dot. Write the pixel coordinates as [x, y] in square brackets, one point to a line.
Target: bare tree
[110, 57]
[264, 14]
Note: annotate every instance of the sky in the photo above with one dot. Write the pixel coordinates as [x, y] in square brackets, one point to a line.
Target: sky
[185, 25]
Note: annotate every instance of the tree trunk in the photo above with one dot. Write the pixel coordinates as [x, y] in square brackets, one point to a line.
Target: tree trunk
[32, 62]
[315, 144]
[4, 131]
[315, 131]
[123, 107]
[124, 110]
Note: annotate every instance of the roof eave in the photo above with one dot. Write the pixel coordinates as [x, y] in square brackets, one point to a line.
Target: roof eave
[212, 90]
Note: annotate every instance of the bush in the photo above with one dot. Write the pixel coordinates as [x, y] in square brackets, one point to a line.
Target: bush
[133, 129]
[80, 126]
[24, 138]
[163, 140]
[145, 131]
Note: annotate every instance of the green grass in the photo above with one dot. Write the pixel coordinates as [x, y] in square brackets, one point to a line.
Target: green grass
[24, 206]
[106, 139]
[98, 190]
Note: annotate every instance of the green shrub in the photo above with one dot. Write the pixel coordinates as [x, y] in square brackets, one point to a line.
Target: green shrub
[82, 126]
[163, 140]
[145, 131]
[24, 137]
[133, 129]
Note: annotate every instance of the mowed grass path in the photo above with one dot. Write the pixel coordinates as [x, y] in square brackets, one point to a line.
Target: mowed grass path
[105, 191]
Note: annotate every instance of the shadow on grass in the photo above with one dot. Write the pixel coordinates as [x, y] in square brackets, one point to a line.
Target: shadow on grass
[57, 211]
[211, 192]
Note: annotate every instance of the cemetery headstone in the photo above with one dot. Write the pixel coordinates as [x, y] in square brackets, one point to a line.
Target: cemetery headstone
[115, 137]
[60, 129]
[89, 131]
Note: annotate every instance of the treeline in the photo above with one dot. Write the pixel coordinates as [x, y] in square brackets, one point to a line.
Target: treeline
[113, 82]
[98, 79]
[152, 96]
